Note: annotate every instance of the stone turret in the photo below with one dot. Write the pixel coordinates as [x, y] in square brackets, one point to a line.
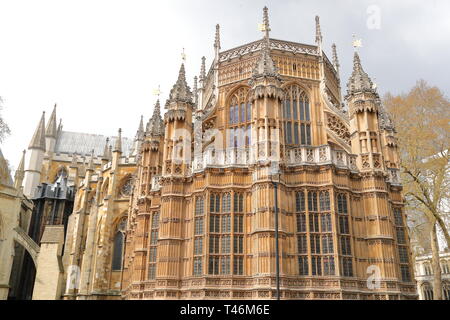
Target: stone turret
[178, 127]
[335, 59]
[266, 96]
[20, 172]
[138, 138]
[201, 85]
[155, 125]
[117, 150]
[364, 103]
[51, 133]
[106, 152]
[319, 38]
[35, 159]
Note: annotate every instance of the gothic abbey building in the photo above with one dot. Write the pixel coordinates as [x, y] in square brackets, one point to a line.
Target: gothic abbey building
[187, 209]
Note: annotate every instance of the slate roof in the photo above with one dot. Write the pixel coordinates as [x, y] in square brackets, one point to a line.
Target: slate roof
[83, 143]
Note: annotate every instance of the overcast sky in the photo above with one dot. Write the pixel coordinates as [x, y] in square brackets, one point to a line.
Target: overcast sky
[101, 60]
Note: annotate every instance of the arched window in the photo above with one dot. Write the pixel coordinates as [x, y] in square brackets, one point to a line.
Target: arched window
[297, 118]
[342, 203]
[446, 290]
[199, 206]
[105, 187]
[427, 269]
[427, 291]
[239, 119]
[444, 266]
[300, 201]
[153, 245]
[324, 199]
[226, 203]
[119, 238]
[238, 203]
[60, 174]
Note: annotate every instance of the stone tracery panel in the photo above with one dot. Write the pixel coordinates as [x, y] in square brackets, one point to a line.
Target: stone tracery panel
[338, 127]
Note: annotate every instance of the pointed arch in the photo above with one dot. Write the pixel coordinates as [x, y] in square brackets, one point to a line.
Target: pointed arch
[61, 171]
[104, 189]
[296, 114]
[238, 112]
[427, 291]
[119, 243]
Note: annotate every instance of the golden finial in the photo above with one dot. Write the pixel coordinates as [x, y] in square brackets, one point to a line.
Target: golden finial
[357, 43]
[157, 92]
[183, 56]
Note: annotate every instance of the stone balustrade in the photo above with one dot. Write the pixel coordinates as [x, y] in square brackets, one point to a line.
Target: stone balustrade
[306, 155]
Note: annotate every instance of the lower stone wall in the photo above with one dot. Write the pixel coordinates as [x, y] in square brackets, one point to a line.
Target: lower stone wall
[264, 288]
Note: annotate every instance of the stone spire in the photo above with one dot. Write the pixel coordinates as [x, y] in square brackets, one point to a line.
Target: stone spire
[82, 167]
[38, 140]
[155, 125]
[118, 144]
[359, 80]
[20, 172]
[180, 91]
[265, 65]
[203, 70]
[51, 130]
[140, 131]
[217, 38]
[90, 166]
[266, 23]
[139, 137]
[335, 58]
[194, 91]
[106, 154]
[319, 38]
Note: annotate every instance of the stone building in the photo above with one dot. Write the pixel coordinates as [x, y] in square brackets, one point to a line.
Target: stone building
[424, 275]
[269, 116]
[15, 215]
[186, 209]
[72, 178]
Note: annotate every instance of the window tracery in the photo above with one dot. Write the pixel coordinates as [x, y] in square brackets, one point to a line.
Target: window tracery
[297, 117]
[119, 238]
[239, 119]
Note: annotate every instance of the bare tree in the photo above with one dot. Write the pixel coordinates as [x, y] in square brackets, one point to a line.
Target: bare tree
[422, 121]
[4, 128]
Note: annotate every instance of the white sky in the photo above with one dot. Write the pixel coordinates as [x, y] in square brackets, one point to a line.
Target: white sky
[100, 60]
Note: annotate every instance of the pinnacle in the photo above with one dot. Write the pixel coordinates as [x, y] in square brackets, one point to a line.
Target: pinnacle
[181, 91]
[155, 125]
[318, 31]
[217, 37]
[51, 130]
[38, 140]
[359, 80]
[118, 144]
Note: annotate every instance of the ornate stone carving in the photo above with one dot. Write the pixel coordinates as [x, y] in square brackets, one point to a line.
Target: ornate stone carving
[338, 127]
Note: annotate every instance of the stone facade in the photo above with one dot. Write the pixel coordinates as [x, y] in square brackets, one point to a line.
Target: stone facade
[269, 116]
[15, 214]
[424, 275]
[186, 209]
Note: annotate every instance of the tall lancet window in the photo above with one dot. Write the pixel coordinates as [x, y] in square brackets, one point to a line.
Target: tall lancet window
[119, 239]
[297, 117]
[239, 119]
